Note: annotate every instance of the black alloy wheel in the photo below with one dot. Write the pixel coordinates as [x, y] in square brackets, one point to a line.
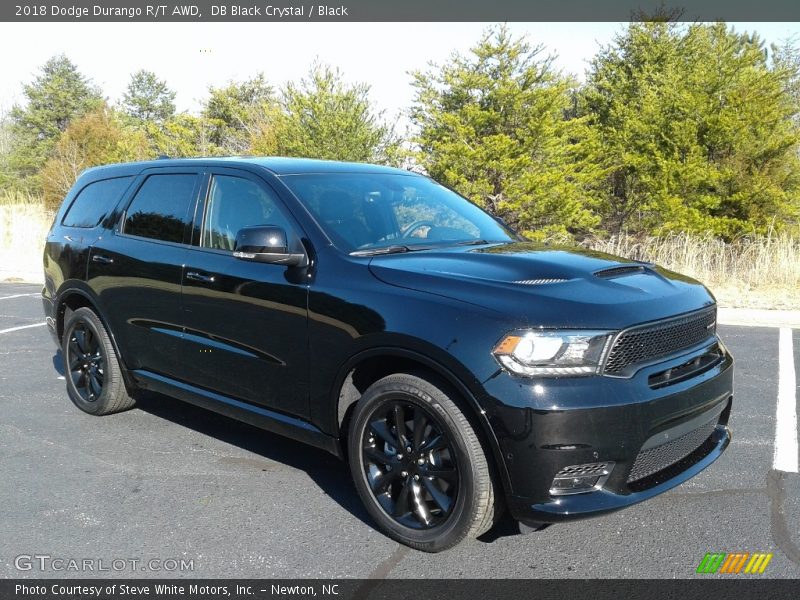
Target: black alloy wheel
[418, 463]
[409, 464]
[86, 363]
[91, 367]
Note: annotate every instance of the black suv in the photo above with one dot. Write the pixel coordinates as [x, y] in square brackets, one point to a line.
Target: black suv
[376, 314]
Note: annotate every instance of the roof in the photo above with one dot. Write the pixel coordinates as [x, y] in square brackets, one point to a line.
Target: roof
[277, 165]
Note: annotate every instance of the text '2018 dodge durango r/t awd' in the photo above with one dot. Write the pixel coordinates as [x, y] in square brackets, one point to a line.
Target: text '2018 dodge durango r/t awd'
[380, 316]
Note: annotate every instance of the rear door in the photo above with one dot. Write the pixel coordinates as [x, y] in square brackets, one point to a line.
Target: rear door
[136, 269]
[246, 320]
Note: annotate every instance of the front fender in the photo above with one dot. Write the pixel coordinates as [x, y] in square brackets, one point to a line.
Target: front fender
[442, 364]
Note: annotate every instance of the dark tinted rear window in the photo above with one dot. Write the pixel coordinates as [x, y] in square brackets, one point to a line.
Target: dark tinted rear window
[161, 208]
[94, 202]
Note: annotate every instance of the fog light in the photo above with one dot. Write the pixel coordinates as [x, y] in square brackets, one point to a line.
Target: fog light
[574, 484]
[576, 479]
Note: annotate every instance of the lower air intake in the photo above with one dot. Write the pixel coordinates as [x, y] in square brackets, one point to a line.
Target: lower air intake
[653, 460]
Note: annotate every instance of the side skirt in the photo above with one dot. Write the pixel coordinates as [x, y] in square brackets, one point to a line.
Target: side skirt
[273, 421]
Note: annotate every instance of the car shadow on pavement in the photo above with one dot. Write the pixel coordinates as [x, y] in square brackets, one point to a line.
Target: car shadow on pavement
[506, 526]
[58, 363]
[329, 473]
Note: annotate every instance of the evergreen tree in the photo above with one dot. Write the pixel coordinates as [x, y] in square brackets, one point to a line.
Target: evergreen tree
[58, 94]
[324, 117]
[6, 144]
[233, 113]
[493, 125]
[695, 130]
[148, 98]
[181, 136]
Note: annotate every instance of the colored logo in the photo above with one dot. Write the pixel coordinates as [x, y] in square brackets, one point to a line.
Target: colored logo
[734, 563]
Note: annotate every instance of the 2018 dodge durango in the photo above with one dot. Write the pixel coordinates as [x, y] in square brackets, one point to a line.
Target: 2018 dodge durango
[380, 316]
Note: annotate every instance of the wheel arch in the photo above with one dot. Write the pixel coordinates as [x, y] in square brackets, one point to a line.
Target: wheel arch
[75, 297]
[367, 366]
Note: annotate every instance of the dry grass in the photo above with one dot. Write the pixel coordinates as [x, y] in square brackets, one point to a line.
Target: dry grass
[23, 226]
[755, 272]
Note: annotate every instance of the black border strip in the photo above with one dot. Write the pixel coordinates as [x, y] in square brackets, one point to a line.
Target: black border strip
[703, 587]
[402, 10]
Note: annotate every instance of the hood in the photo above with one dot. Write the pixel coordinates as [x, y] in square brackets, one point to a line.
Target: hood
[543, 285]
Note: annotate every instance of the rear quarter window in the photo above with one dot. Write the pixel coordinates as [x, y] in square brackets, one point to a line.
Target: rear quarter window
[94, 202]
[162, 208]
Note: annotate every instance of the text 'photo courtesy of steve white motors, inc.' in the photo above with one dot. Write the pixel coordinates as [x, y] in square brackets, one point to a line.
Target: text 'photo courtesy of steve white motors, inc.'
[189, 11]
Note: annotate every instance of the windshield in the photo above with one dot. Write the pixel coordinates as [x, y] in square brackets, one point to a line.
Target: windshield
[365, 211]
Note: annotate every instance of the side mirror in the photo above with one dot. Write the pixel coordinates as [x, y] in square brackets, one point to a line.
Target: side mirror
[267, 244]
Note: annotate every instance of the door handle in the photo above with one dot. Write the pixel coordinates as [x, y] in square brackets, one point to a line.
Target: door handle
[103, 260]
[195, 276]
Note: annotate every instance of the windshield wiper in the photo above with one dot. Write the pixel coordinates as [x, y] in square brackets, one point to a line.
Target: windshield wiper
[471, 243]
[385, 250]
[414, 248]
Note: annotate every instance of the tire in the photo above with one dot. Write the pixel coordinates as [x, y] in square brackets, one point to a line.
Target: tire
[91, 367]
[445, 479]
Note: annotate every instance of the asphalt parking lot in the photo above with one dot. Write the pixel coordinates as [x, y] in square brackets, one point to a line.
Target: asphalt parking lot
[170, 482]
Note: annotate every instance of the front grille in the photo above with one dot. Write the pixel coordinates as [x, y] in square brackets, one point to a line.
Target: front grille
[647, 342]
[656, 459]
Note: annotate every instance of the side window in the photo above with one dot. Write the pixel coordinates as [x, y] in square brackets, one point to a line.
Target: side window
[234, 203]
[160, 209]
[94, 202]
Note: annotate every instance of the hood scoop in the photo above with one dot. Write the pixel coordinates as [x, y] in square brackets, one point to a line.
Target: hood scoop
[622, 271]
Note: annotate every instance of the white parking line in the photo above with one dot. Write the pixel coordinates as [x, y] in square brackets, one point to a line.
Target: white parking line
[18, 296]
[786, 450]
[9, 330]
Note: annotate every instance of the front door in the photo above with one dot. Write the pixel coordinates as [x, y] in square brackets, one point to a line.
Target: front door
[247, 321]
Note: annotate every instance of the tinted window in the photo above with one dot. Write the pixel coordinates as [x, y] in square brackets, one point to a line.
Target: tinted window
[234, 203]
[160, 209]
[94, 202]
[364, 211]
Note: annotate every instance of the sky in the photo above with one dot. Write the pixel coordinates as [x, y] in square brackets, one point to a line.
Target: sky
[193, 56]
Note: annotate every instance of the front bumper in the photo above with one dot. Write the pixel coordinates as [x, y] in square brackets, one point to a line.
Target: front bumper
[543, 426]
[592, 504]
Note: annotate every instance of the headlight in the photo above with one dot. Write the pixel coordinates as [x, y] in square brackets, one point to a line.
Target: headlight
[552, 353]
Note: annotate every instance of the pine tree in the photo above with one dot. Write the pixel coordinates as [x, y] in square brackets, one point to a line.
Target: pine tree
[234, 111]
[148, 98]
[695, 130]
[58, 94]
[324, 117]
[494, 126]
